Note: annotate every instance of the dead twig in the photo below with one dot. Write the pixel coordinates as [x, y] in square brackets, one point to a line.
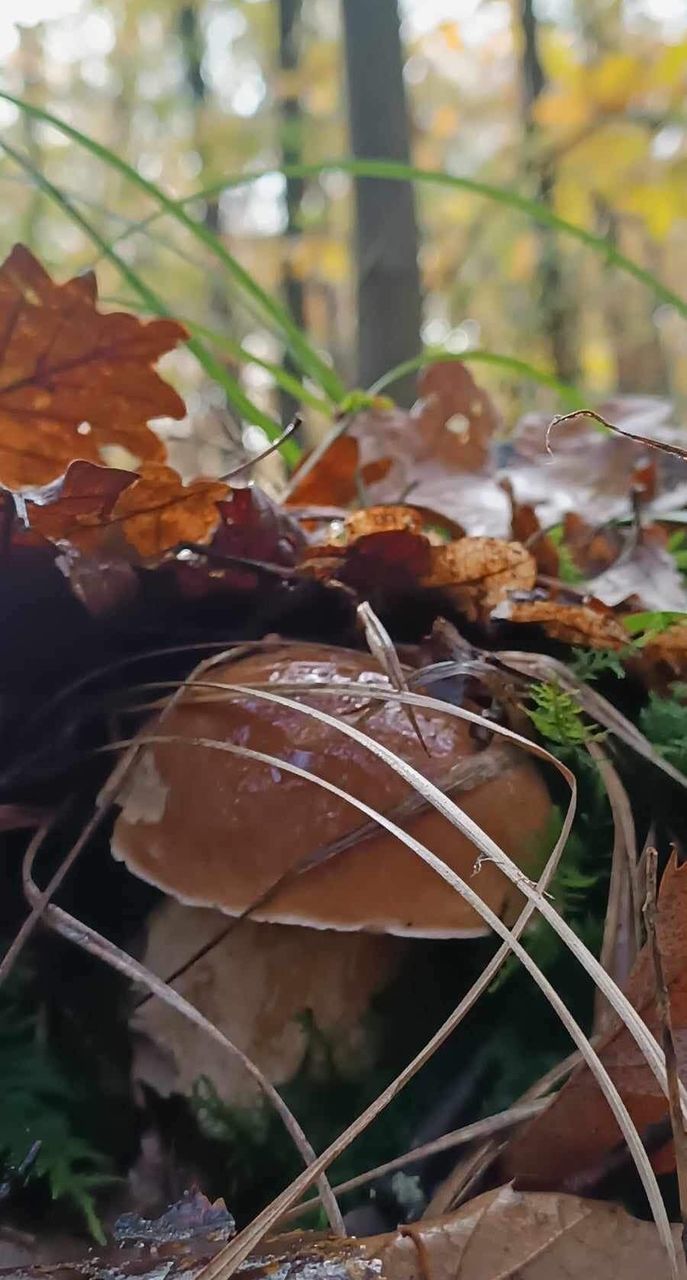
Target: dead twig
[667, 1039]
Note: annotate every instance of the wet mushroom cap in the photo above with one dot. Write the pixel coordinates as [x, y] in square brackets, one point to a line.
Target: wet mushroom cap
[215, 829]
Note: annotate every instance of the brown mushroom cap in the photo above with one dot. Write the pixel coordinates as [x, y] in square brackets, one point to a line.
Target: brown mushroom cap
[217, 830]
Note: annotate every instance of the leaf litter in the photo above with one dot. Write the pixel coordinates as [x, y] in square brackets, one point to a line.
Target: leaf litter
[401, 514]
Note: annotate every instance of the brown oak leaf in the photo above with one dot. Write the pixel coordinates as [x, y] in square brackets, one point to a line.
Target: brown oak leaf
[481, 572]
[75, 510]
[73, 380]
[158, 511]
[588, 625]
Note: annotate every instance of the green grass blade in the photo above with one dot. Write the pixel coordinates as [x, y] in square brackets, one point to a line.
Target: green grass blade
[568, 394]
[299, 346]
[235, 395]
[397, 172]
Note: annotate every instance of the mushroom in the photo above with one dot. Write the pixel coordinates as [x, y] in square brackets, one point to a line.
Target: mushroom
[217, 830]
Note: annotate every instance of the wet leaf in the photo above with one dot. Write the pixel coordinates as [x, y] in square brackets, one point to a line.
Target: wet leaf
[158, 511]
[586, 624]
[503, 1233]
[481, 572]
[73, 380]
[577, 1133]
[334, 480]
[397, 560]
[75, 510]
[252, 525]
[648, 575]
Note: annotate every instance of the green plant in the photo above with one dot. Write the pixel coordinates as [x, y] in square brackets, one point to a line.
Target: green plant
[590, 664]
[664, 721]
[557, 717]
[39, 1105]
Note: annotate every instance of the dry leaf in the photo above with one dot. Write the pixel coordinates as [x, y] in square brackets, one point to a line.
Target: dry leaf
[666, 653]
[457, 418]
[333, 481]
[481, 572]
[501, 1235]
[75, 510]
[648, 575]
[394, 561]
[586, 624]
[71, 379]
[382, 520]
[577, 1132]
[158, 512]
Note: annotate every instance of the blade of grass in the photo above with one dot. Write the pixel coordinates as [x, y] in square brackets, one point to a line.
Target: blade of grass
[298, 344]
[234, 393]
[568, 394]
[394, 171]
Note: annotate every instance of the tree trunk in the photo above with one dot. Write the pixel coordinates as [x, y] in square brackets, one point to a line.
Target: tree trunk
[388, 279]
[292, 153]
[555, 304]
[191, 39]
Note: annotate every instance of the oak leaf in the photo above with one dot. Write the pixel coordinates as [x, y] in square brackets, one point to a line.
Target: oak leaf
[74, 510]
[481, 572]
[577, 1132]
[73, 380]
[587, 625]
[157, 512]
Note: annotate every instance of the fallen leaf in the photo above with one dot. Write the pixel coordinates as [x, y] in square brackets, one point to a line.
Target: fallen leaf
[481, 572]
[526, 528]
[666, 654]
[333, 481]
[592, 549]
[73, 380]
[577, 1132]
[500, 1235]
[252, 525]
[592, 471]
[580, 624]
[648, 574]
[158, 511]
[397, 560]
[457, 419]
[384, 519]
[75, 510]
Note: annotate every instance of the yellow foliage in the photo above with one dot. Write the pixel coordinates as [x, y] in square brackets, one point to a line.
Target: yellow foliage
[451, 35]
[445, 121]
[659, 204]
[597, 364]
[669, 68]
[615, 80]
[523, 260]
[610, 158]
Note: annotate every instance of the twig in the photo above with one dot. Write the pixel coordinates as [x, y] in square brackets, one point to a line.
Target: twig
[667, 1039]
[295, 423]
[96, 945]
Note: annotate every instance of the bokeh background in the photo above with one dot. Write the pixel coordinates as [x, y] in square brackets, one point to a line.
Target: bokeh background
[580, 104]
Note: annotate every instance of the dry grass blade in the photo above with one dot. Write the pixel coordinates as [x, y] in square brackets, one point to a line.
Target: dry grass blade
[447, 1142]
[229, 1258]
[270, 449]
[677, 1123]
[82, 936]
[539, 666]
[381, 647]
[487, 848]
[622, 930]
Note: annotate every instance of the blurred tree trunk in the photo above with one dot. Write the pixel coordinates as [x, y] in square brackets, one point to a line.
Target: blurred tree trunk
[555, 301]
[292, 153]
[192, 44]
[388, 279]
